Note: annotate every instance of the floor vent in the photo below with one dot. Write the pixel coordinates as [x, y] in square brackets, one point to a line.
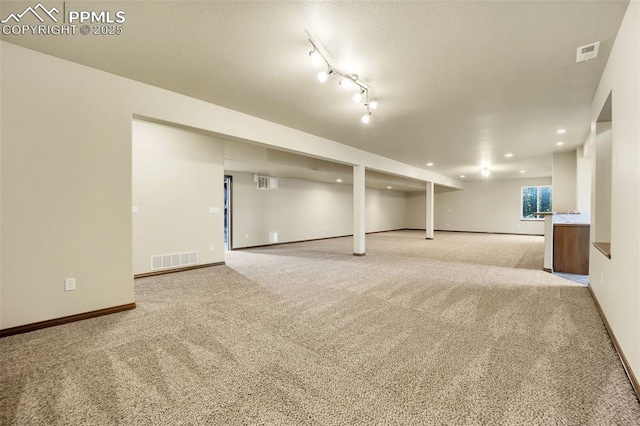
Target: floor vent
[175, 260]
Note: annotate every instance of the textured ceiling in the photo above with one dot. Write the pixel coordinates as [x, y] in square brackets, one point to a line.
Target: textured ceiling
[459, 83]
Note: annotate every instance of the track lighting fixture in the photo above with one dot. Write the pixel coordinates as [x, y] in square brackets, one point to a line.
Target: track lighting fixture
[347, 81]
[485, 172]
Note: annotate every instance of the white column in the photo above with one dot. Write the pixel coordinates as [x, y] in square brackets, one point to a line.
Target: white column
[358, 210]
[429, 218]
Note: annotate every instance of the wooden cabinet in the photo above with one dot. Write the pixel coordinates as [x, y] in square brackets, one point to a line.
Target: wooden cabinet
[571, 248]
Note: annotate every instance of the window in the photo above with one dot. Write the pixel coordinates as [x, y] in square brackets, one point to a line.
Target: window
[535, 199]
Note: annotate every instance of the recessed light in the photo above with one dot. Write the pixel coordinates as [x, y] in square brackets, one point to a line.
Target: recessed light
[388, 187]
[521, 171]
[338, 180]
[559, 143]
[462, 176]
[562, 131]
[509, 155]
[429, 164]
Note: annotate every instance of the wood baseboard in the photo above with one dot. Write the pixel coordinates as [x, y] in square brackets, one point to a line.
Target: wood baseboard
[65, 320]
[627, 368]
[171, 271]
[487, 232]
[359, 254]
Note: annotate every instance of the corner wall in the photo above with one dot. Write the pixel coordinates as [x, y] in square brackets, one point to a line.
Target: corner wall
[616, 282]
[483, 206]
[177, 178]
[303, 210]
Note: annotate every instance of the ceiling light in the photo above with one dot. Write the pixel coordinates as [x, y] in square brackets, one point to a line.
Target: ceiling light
[508, 155]
[338, 180]
[347, 82]
[316, 58]
[521, 171]
[324, 75]
[388, 187]
[561, 131]
[462, 176]
[359, 96]
[485, 172]
[559, 143]
[429, 164]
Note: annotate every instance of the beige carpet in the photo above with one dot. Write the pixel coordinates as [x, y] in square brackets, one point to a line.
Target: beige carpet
[447, 332]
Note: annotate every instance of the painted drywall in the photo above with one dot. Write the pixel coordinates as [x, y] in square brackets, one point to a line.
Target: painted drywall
[483, 206]
[415, 211]
[303, 210]
[583, 181]
[177, 176]
[616, 281]
[66, 183]
[563, 176]
[602, 183]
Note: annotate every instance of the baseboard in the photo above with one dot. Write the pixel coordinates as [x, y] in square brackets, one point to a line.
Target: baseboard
[171, 271]
[487, 232]
[65, 320]
[616, 345]
[313, 239]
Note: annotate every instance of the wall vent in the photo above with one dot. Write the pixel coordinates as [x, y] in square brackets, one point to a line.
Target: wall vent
[174, 260]
[265, 182]
[589, 51]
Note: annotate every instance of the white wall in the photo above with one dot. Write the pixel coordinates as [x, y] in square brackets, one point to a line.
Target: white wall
[563, 177]
[303, 210]
[66, 183]
[486, 206]
[415, 216]
[616, 281]
[583, 181]
[177, 176]
[601, 224]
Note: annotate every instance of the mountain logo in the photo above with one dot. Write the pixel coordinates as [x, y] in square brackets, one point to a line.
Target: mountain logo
[38, 11]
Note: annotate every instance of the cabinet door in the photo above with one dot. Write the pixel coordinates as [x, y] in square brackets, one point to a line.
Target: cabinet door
[571, 248]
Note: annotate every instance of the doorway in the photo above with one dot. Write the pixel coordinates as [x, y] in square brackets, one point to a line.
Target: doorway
[227, 213]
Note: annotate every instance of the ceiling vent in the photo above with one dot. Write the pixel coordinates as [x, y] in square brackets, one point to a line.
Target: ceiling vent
[587, 52]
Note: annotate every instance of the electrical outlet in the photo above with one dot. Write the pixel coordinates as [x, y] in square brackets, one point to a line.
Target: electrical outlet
[69, 284]
[212, 247]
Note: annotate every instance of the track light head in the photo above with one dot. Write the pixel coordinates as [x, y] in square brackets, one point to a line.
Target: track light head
[373, 104]
[486, 172]
[366, 118]
[316, 57]
[358, 97]
[324, 75]
[347, 83]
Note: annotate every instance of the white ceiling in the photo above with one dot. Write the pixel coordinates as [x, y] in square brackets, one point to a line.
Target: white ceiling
[459, 83]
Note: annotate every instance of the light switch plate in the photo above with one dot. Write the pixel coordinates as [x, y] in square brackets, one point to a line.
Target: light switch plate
[214, 209]
[135, 209]
[69, 284]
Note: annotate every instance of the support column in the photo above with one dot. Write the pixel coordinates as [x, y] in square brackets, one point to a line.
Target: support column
[429, 217]
[358, 210]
